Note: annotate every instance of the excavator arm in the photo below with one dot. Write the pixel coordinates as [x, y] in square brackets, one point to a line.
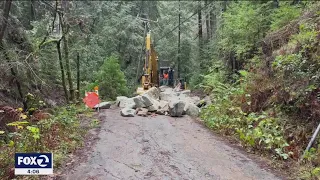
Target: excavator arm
[150, 77]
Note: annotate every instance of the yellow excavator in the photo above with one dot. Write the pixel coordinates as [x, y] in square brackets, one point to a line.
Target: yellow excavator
[150, 78]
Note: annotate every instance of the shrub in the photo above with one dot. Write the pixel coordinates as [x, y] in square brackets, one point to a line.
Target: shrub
[243, 25]
[61, 134]
[283, 15]
[111, 79]
[302, 66]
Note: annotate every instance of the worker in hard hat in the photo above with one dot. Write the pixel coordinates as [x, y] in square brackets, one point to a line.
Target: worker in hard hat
[165, 78]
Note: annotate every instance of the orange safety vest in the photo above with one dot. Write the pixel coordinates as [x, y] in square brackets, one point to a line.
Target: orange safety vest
[165, 76]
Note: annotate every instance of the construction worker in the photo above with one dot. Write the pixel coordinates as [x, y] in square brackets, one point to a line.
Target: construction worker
[165, 78]
[170, 76]
[180, 86]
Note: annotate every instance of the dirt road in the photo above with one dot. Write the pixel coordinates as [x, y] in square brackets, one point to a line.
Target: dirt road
[162, 147]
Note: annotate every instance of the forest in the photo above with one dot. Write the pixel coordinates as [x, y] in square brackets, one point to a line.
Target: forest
[257, 60]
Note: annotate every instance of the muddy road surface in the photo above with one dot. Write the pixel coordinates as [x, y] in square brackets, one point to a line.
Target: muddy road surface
[162, 147]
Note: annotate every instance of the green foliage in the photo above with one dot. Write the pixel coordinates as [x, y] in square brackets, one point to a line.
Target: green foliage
[60, 135]
[312, 159]
[228, 113]
[264, 133]
[309, 173]
[195, 81]
[34, 102]
[255, 130]
[315, 172]
[272, 104]
[298, 62]
[94, 123]
[35, 132]
[311, 154]
[243, 73]
[111, 79]
[214, 82]
[97, 30]
[243, 25]
[283, 15]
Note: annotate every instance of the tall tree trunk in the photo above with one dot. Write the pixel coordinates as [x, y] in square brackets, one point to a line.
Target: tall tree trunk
[62, 71]
[276, 3]
[213, 22]
[65, 29]
[66, 56]
[224, 6]
[14, 74]
[200, 37]
[179, 63]
[208, 24]
[4, 23]
[200, 25]
[5, 15]
[32, 10]
[78, 76]
[119, 45]
[65, 36]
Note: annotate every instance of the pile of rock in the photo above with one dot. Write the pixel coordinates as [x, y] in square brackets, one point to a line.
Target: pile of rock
[162, 101]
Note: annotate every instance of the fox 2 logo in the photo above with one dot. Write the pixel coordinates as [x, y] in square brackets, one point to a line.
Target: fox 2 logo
[33, 160]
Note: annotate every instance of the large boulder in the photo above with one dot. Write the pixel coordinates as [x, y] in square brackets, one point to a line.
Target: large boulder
[163, 107]
[188, 99]
[154, 107]
[192, 110]
[127, 112]
[165, 88]
[142, 112]
[103, 105]
[204, 102]
[166, 95]
[176, 108]
[194, 99]
[119, 99]
[207, 99]
[186, 92]
[163, 104]
[139, 102]
[153, 92]
[178, 96]
[127, 103]
[148, 101]
[161, 112]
